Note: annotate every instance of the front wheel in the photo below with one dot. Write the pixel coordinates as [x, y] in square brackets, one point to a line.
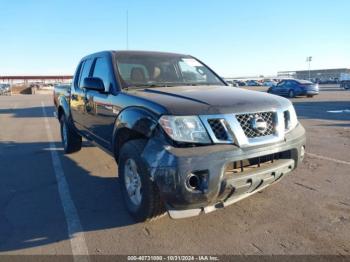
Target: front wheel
[140, 193]
[311, 96]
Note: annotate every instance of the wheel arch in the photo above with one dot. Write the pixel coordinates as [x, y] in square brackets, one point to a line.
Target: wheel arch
[132, 123]
[63, 107]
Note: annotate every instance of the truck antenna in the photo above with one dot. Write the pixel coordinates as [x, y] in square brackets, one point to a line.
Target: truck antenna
[127, 29]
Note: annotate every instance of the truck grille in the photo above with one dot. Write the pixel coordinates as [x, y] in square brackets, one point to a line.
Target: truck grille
[245, 121]
[218, 128]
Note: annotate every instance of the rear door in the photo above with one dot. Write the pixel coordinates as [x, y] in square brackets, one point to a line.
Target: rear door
[77, 101]
[297, 87]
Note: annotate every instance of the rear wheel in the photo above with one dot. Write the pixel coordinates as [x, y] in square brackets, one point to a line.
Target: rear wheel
[311, 96]
[70, 139]
[140, 193]
[291, 94]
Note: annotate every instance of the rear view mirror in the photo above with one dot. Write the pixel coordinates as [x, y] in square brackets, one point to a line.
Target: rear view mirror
[94, 83]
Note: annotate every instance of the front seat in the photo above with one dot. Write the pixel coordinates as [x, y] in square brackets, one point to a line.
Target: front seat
[137, 75]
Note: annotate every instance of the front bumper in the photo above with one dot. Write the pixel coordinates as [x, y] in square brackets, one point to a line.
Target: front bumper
[170, 168]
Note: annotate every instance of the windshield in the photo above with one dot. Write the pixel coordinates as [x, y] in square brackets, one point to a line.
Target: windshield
[158, 70]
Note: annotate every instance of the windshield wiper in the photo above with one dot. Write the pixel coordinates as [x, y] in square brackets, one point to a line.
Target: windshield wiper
[158, 85]
[140, 86]
[170, 84]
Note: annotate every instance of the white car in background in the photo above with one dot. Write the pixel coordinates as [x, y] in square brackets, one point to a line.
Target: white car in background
[269, 83]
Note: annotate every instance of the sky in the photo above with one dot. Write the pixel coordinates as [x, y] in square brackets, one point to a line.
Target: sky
[233, 37]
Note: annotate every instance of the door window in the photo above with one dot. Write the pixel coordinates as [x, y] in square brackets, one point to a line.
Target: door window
[286, 84]
[102, 71]
[85, 71]
[281, 83]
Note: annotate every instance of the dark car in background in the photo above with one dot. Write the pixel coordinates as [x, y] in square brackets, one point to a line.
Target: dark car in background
[232, 83]
[241, 83]
[269, 83]
[294, 87]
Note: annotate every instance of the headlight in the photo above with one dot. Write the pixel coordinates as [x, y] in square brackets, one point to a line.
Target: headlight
[290, 118]
[185, 129]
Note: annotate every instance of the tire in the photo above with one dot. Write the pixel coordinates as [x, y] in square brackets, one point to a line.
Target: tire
[149, 206]
[291, 94]
[70, 139]
[311, 96]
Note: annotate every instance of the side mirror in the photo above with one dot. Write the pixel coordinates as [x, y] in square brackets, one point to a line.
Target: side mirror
[94, 83]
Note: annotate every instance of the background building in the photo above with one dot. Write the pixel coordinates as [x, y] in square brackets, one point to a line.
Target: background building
[321, 75]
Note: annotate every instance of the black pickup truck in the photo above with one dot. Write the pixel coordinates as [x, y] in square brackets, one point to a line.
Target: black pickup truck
[185, 142]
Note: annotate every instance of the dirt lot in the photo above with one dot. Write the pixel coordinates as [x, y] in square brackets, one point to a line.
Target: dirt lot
[306, 213]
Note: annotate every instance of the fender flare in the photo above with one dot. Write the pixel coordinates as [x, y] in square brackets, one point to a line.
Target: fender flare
[62, 103]
[137, 120]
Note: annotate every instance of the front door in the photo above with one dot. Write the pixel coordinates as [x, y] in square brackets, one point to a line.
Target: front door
[99, 108]
[278, 88]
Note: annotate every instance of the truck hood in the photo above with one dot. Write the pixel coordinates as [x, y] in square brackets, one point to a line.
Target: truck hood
[206, 100]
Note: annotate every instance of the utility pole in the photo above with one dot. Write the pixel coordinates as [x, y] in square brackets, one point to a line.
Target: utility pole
[127, 29]
[309, 59]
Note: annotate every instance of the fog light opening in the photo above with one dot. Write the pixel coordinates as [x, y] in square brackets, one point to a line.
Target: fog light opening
[193, 182]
